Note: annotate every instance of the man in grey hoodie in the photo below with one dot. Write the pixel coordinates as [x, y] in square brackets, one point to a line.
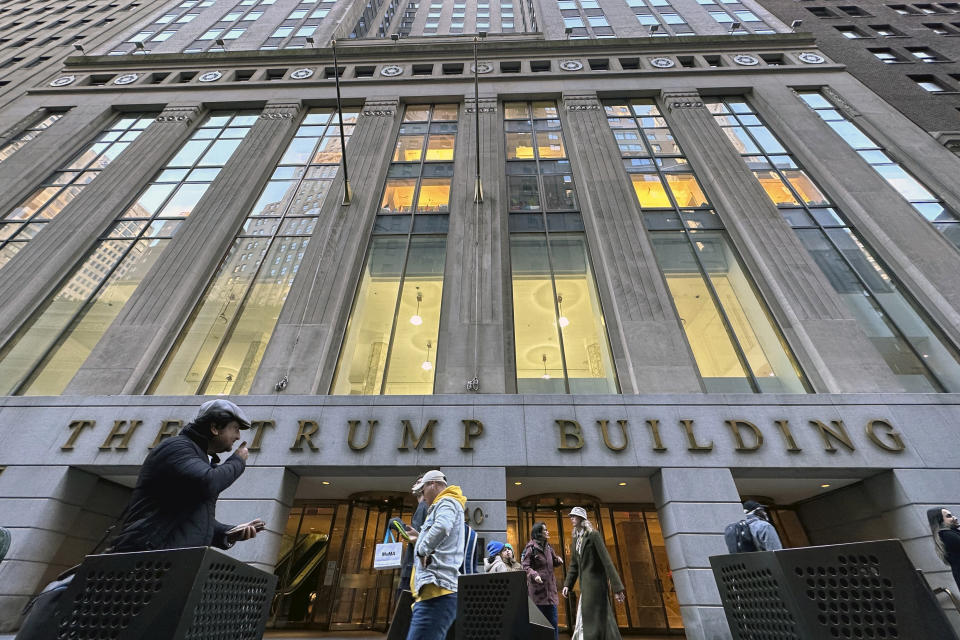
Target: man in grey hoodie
[438, 554]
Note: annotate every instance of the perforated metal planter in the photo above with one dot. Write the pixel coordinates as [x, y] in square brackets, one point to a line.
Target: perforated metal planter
[867, 590]
[183, 594]
[495, 606]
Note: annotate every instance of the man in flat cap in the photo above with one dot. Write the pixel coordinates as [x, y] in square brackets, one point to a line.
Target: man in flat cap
[175, 499]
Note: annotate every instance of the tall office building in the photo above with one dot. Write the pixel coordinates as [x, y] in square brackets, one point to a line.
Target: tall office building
[650, 257]
[907, 53]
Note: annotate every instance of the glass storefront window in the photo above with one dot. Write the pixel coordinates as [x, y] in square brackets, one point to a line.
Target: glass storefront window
[734, 340]
[913, 347]
[27, 219]
[47, 352]
[390, 345]
[222, 344]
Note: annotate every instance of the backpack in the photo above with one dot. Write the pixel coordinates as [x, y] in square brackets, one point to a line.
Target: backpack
[739, 538]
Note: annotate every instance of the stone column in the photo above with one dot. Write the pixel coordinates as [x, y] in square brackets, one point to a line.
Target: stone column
[486, 491]
[648, 344]
[22, 173]
[56, 515]
[306, 340]
[694, 506]
[261, 492]
[921, 257]
[903, 497]
[834, 351]
[129, 354]
[470, 345]
[69, 236]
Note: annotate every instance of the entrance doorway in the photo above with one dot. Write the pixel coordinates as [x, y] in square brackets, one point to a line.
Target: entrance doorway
[635, 542]
[326, 578]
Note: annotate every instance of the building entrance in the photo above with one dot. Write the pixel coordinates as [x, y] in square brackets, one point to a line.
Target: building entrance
[635, 542]
[326, 578]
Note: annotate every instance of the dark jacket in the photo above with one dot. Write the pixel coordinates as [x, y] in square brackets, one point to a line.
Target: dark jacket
[595, 568]
[951, 544]
[175, 500]
[419, 515]
[540, 560]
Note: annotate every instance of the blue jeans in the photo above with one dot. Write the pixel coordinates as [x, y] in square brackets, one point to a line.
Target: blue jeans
[549, 611]
[432, 618]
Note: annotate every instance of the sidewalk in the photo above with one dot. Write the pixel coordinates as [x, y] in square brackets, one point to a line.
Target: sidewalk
[367, 635]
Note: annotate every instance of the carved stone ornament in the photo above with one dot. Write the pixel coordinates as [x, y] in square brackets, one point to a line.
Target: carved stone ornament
[662, 63]
[391, 70]
[301, 74]
[571, 65]
[380, 109]
[210, 76]
[487, 105]
[178, 114]
[746, 60]
[126, 78]
[811, 58]
[581, 103]
[482, 67]
[63, 81]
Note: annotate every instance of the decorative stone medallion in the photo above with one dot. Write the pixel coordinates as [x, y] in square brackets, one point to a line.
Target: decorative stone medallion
[210, 76]
[63, 81]
[745, 60]
[126, 78]
[301, 74]
[811, 58]
[482, 67]
[662, 63]
[391, 70]
[571, 65]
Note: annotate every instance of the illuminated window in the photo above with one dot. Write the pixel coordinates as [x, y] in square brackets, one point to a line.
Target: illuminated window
[560, 338]
[28, 218]
[222, 344]
[914, 348]
[735, 343]
[391, 342]
[46, 353]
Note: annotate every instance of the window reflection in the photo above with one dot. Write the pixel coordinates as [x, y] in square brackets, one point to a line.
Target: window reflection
[222, 345]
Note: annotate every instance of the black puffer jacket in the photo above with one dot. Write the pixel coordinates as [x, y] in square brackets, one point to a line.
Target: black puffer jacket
[174, 502]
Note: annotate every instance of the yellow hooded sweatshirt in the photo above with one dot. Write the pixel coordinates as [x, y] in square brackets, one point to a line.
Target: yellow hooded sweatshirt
[432, 590]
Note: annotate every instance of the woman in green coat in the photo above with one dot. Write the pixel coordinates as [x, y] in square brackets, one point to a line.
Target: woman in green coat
[591, 563]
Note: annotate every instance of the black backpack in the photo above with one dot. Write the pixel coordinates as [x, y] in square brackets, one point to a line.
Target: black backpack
[739, 538]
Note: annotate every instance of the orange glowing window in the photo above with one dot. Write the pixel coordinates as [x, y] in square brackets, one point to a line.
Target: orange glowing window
[409, 149]
[775, 188]
[804, 186]
[519, 146]
[440, 147]
[434, 195]
[398, 196]
[550, 144]
[686, 190]
[650, 191]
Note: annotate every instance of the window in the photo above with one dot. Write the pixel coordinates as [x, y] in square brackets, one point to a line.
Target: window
[850, 32]
[887, 56]
[938, 28]
[391, 342]
[29, 134]
[735, 343]
[928, 83]
[854, 11]
[908, 341]
[886, 31]
[821, 12]
[924, 54]
[53, 345]
[560, 341]
[28, 218]
[222, 344]
[925, 202]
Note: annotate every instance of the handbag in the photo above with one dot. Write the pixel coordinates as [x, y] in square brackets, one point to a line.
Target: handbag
[388, 554]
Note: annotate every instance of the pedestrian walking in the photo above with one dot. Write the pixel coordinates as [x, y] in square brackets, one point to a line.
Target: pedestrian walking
[754, 532]
[175, 498]
[501, 559]
[539, 560]
[438, 555]
[591, 564]
[946, 538]
[416, 522]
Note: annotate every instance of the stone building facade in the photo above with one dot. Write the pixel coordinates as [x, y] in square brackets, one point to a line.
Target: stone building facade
[687, 280]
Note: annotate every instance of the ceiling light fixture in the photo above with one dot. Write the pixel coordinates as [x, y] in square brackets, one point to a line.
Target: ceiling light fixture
[518, 483]
[324, 482]
[622, 484]
[564, 321]
[426, 366]
[824, 486]
[415, 319]
[545, 376]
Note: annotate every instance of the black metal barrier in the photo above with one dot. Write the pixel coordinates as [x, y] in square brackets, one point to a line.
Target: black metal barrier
[182, 594]
[860, 590]
[490, 606]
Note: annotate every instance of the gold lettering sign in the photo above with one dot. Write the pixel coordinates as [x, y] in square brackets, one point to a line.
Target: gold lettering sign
[894, 441]
[168, 428]
[570, 430]
[784, 426]
[471, 429]
[354, 425]
[736, 427]
[305, 432]
[422, 441]
[119, 433]
[836, 433]
[654, 426]
[260, 426]
[76, 427]
[606, 436]
[692, 438]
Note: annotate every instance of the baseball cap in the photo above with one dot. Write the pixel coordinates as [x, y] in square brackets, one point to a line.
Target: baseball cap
[429, 476]
[752, 505]
[224, 406]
